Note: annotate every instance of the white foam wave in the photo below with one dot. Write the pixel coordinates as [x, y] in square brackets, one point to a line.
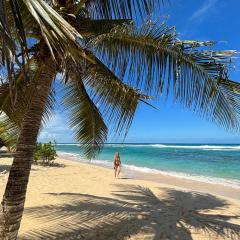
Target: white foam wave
[203, 147]
[200, 147]
[67, 153]
[127, 145]
[206, 179]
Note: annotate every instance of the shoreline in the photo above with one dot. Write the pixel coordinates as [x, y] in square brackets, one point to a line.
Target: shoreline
[215, 180]
[171, 181]
[76, 200]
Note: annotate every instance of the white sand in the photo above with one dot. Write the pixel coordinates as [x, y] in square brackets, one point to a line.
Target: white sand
[83, 201]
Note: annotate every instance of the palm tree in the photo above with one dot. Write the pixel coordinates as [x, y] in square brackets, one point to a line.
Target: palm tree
[107, 65]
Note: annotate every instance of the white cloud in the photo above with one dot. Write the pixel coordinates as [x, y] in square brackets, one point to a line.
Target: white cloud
[56, 129]
[204, 9]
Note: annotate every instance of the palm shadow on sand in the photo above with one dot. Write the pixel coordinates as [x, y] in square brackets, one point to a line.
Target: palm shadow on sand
[4, 168]
[136, 210]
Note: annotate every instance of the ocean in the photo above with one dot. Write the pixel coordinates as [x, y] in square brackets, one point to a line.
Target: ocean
[207, 163]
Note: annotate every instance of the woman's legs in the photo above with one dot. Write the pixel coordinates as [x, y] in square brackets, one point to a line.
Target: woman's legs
[118, 170]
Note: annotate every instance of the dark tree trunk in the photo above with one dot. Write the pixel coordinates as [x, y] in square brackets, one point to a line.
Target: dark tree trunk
[14, 197]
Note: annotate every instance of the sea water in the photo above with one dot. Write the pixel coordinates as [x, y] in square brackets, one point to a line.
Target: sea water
[207, 163]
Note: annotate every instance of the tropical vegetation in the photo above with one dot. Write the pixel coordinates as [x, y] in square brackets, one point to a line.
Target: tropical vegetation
[108, 55]
[45, 153]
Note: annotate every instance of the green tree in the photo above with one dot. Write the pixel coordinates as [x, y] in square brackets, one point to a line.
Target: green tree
[107, 65]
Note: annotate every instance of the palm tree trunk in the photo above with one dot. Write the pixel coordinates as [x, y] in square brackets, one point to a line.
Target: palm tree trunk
[12, 207]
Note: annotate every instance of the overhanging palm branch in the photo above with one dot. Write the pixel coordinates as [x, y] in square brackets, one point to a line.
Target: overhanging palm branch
[95, 86]
[58, 33]
[155, 61]
[25, 90]
[118, 102]
[86, 120]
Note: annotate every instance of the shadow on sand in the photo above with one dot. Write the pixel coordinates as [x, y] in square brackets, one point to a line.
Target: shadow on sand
[4, 168]
[136, 211]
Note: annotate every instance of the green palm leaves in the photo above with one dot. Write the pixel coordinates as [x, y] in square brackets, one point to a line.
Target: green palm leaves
[8, 132]
[109, 64]
[156, 62]
[86, 120]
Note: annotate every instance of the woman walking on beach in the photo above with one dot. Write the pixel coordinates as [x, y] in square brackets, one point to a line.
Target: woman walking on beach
[117, 164]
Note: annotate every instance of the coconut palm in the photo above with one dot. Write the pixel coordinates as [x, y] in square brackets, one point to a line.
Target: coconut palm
[107, 65]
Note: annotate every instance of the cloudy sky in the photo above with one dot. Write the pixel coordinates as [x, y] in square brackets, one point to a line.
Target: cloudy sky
[199, 19]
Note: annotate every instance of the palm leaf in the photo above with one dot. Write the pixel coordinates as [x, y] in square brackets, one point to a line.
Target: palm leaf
[86, 120]
[24, 93]
[117, 101]
[36, 16]
[57, 32]
[121, 9]
[152, 59]
[92, 28]
[8, 131]
[8, 48]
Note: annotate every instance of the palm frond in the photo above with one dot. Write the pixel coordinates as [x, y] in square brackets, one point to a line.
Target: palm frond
[86, 120]
[17, 112]
[118, 102]
[124, 9]
[152, 59]
[57, 32]
[24, 93]
[8, 48]
[8, 132]
[89, 28]
[61, 38]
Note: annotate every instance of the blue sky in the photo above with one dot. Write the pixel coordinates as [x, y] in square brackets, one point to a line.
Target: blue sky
[199, 19]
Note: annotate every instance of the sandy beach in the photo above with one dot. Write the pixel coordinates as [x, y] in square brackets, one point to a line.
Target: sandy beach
[84, 201]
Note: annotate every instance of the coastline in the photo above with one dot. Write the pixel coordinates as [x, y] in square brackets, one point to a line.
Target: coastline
[165, 178]
[78, 200]
[215, 164]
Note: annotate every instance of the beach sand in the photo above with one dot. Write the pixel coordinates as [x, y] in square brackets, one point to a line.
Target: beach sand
[84, 201]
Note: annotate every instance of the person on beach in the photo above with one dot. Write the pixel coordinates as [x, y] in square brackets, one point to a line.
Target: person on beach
[117, 164]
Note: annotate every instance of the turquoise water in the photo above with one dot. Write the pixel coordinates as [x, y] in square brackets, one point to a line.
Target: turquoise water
[208, 163]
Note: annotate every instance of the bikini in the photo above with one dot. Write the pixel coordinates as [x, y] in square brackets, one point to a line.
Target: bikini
[116, 163]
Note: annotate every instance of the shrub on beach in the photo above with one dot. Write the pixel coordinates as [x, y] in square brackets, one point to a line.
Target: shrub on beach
[45, 153]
